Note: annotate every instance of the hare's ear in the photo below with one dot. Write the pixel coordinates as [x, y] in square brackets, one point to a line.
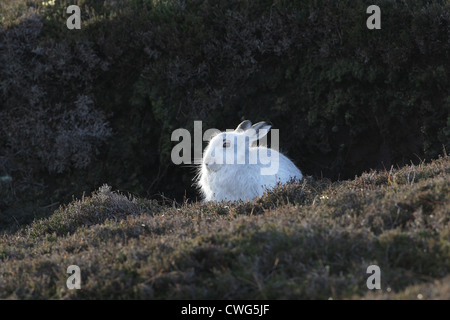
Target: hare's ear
[244, 125]
[258, 130]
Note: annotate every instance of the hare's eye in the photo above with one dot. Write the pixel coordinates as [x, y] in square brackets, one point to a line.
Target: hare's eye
[226, 144]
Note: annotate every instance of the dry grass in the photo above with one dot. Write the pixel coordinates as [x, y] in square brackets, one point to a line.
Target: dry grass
[306, 240]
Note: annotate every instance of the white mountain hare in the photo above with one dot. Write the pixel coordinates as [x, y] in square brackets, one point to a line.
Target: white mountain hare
[233, 168]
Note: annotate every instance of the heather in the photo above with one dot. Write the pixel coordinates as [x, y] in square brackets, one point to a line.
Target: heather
[310, 239]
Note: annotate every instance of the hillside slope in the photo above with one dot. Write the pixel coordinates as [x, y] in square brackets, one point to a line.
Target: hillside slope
[307, 240]
[79, 108]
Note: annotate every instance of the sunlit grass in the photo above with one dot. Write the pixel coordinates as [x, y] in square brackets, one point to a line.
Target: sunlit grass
[311, 239]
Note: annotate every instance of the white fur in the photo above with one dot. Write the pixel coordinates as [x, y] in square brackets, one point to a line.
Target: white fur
[230, 182]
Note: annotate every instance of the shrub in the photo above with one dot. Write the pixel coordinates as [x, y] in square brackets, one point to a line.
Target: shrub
[319, 248]
[346, 99]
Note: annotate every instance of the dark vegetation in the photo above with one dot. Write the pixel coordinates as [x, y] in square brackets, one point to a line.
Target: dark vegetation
[312, 239]
[80, 108]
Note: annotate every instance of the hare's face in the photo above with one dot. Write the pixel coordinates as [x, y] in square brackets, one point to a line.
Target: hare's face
[225, 149]
[233, 148]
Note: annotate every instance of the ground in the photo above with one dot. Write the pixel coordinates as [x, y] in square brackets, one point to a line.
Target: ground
[310, 239]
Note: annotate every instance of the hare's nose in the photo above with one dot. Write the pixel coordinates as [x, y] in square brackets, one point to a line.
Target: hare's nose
[212, 166]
